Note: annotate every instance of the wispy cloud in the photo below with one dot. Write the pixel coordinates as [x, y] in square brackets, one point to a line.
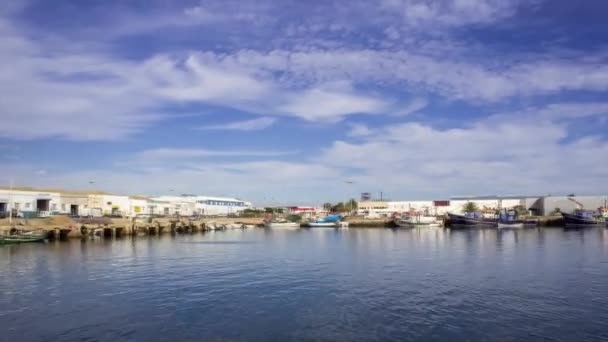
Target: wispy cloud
[161, 154]
[359, 130]
[498, 153]
[246, 125]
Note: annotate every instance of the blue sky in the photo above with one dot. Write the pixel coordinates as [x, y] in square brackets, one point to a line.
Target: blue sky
[303, 102]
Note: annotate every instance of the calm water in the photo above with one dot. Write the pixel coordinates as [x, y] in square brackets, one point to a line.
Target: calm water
[358, 284]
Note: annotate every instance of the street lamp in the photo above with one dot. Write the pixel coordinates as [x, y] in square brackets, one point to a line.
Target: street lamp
[350, 202]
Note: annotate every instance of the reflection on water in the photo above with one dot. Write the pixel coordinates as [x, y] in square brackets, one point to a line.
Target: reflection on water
[311, 284]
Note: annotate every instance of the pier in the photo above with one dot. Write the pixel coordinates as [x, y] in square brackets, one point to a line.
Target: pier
[64, 227]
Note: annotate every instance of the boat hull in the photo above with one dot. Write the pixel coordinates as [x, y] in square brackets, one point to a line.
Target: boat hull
[460, 221]
[283, 225]
[409, 224]
[14, 239]
[322, 224]
[571, 220]
[511, 225]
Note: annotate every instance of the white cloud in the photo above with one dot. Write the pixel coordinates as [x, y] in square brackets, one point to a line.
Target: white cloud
[359, 130]
[506, 153]
[530, 152]
[246, 125]
[321, 104]
[185, 154]
[430, 14]
[414, 106]
[457, 78]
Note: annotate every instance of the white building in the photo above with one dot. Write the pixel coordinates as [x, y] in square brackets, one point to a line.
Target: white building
[28, 203]
[176, 205]
[219, 206]
[108, 205]
[73, 204]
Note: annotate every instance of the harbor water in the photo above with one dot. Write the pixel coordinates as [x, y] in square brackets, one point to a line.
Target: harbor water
[545, 284]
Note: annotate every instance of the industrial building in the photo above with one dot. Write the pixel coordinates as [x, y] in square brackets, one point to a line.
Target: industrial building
[33, 203]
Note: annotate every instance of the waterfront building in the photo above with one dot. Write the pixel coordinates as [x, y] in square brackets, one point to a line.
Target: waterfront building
[73, 204]
[176, 205]
[219, 206]
[108, 205]
[553, 204]
[24, 203]
[373, 208]
[138, 206]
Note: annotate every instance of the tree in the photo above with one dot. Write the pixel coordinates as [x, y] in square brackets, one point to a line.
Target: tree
[351, 205]
[470, 207]
[338, 208]
[520, 210]
[327, 206]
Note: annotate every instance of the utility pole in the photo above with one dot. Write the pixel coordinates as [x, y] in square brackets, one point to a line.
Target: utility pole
[10, 205]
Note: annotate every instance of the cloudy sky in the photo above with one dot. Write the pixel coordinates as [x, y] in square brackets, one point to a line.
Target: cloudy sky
[305, 101]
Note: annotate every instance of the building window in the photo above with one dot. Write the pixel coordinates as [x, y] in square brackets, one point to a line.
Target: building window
[109, 203]
[63, 207]
[27, 205]
[53, 207]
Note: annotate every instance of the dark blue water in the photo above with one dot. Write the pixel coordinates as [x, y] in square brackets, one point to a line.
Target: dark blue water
[357, 284]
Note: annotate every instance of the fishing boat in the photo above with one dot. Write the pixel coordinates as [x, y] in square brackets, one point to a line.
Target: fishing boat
[582, 218]
[508, 219]
[281, 224]
[23, 238]
[472, 220]
[411, 221]
[331, 221]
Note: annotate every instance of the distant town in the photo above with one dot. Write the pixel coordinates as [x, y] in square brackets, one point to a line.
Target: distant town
[25, 202]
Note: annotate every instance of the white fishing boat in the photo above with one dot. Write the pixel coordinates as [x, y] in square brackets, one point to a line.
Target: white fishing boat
[281, 224]
[411, 221]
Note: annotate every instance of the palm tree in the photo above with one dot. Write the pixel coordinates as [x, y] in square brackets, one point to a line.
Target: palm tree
[470, 207]
[351, 205]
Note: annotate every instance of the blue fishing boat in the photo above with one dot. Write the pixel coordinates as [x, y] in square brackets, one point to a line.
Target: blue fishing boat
[582, 218]
[509, 219]
[472, 220]
[327, 221]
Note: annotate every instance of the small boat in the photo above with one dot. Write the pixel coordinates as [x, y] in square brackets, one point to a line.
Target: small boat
[330, 221]
[411, 221]
[581, 218]
[281, 224]
[23, 238]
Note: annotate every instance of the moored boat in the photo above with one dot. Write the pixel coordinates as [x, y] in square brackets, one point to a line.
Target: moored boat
[582, 218]
[331, 221]
[23, 238]
[281, 224]
[471, 220]
[411, 221]
[508, 219]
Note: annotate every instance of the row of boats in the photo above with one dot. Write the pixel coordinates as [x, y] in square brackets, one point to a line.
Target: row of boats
[579, 218]
[505, 219]
[331, 221]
